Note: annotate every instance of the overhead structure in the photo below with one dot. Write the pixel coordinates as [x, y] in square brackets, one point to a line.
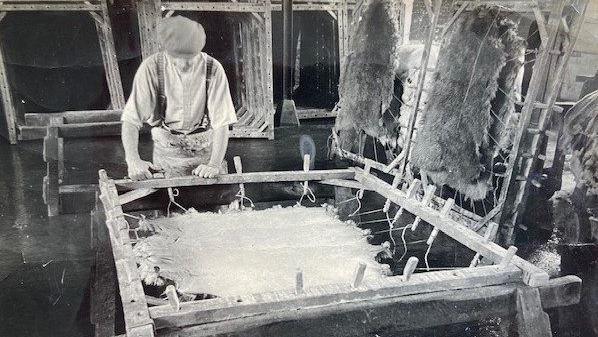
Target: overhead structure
[14, 126]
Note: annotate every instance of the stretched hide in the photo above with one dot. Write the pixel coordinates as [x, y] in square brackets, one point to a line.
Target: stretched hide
[457, 139]
[580, 135]
[367, 82]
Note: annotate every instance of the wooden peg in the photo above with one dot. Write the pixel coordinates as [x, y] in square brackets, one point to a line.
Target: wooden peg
[299, 282]
[173, 298]
[411, 192]
[367, 168]
[410, 268]
[239, 169]
[448, 205]
[394, 163]
[359, 274]
[395, 184]
[508, 256]
[429, 193]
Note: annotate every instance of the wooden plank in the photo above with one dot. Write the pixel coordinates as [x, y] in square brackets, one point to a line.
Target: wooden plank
[238, 178]
[10, 114]
[343, 183]
[135, 194]
[532, 321]
[532, 275]
[206, 311]
[72, 189]
[73, 117]
[304, 113]
[148, 15]
[518, 6]
[98, 129]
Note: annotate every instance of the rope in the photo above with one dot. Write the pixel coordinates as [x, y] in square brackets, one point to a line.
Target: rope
[242, 197]
[426, 257]
[404, 243]
[391, 226]
[307, 192]
[173, 192]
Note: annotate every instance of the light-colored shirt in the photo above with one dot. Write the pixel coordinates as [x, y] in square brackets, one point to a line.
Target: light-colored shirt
[185, 96]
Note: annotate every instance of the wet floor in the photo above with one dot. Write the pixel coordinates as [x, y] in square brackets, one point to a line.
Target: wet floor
[45, 263]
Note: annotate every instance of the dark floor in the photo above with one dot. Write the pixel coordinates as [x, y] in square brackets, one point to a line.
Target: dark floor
[45, 263]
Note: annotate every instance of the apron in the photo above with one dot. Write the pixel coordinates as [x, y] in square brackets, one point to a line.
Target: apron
[179, 154]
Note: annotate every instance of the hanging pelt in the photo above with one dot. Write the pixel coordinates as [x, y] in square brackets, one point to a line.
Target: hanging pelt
[464, 119]
[580, 135]
[367, 81]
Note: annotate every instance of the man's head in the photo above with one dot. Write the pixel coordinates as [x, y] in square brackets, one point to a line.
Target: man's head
[182, 39]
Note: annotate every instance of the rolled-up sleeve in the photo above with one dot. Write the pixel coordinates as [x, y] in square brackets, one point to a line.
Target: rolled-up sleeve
[141, 105]
[220, 104]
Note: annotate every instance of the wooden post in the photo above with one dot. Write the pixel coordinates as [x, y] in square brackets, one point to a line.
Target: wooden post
[299, 282]
[359, 274]
[10, 113]
[148, 15]
[532, 321]
[51, 182]
[410, 268]
[173, 298]
[429, 194]
[109, 59]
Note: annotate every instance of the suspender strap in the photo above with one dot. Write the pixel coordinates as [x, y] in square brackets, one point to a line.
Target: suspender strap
[162, 92]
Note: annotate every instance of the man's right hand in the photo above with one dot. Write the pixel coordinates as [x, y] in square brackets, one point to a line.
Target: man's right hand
[140, 169]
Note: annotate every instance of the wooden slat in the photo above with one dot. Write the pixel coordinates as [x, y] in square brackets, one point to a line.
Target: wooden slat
[532, 275]
[134, 195]
[109, 59]
[71, 189]
[51, 180]
[206, 311]
[238, 178]
[303, 113]
[532, 321]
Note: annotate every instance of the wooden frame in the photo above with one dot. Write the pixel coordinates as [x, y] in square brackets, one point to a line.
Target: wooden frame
[510, 281]
[98, 10]
[253, 55]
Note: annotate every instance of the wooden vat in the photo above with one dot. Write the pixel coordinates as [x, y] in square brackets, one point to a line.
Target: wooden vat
[509, 287]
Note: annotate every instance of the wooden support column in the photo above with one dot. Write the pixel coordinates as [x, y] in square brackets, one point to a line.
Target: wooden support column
[109, 58]
[10, 114]
[148, 15]
[51, 182]
[532, 321]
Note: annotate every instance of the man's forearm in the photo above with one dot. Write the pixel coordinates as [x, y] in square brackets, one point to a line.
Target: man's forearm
[219, 146]
[130, 139]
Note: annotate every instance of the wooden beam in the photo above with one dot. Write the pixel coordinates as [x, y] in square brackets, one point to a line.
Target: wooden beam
[533, 275]
[329, 295]
[51, 180]
[213, 6]
[110, 59]
[96, 129]
[34, 7]
[73, 117]
[356, 318]
[238, 178]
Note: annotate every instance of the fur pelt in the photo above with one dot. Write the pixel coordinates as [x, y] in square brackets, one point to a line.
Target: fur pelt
[453, 145]
[367, 81]
[580, 136]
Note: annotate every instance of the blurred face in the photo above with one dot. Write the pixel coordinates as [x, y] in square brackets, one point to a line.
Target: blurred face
[182, 63]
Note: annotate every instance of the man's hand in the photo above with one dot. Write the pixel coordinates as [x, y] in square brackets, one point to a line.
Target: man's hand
[140, 169]
[206, 171]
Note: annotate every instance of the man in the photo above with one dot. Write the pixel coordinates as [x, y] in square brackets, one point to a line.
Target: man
[183, 94]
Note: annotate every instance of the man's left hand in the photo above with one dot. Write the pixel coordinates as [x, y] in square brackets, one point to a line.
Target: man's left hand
[206, 171]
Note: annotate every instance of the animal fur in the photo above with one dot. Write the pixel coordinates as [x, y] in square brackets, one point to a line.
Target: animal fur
[453, 145]
[366, 85]
[580, 135]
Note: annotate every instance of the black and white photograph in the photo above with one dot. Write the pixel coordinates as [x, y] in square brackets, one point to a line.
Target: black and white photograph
[299, 168]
